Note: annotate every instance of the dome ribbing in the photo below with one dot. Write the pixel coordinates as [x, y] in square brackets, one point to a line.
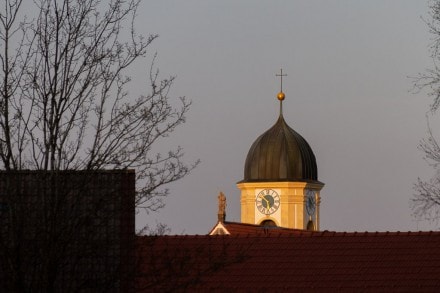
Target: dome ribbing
[280, 154]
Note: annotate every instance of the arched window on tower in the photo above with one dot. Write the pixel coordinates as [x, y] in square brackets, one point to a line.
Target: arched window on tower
[268, 223]
[310, 226]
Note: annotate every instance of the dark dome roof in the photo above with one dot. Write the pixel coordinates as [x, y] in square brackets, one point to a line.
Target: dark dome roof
[280, 154]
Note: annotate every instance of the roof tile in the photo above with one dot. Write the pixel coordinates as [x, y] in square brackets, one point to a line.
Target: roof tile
[291, 259]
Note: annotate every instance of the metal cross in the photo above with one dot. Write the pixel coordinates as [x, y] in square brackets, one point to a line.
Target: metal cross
[281, 77]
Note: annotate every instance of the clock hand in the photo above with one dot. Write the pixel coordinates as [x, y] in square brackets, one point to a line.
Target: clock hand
[267, 202]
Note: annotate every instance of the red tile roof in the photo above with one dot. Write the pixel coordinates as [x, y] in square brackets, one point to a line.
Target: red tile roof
[251, 229]
[299, 261]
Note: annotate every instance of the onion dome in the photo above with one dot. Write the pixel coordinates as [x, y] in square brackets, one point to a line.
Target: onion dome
[280, 154]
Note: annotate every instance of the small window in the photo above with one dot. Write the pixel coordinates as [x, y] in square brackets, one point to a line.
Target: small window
[310, 226]
[268, 223]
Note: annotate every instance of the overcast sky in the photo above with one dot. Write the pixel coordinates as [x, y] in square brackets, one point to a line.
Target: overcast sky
[348, 93]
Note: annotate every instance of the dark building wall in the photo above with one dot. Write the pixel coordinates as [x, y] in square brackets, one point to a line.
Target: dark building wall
[67, 231]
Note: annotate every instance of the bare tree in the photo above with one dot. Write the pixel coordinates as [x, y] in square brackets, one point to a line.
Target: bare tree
[64, 102]
[426, 200]
[65, 105]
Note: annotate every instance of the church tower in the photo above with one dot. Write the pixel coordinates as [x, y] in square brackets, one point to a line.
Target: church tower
[280, 185]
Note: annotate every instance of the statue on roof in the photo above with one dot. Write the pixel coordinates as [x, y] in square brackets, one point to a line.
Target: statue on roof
[221, 207]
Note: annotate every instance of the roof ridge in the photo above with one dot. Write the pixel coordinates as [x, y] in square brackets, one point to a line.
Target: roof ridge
[281, 232]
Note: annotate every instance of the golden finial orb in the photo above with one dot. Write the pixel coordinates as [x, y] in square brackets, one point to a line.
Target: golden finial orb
[281, 96]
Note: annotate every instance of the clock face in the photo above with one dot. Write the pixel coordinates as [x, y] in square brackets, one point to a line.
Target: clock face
[310, 202]
[267, 201]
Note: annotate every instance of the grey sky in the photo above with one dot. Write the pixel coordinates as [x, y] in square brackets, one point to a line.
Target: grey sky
[347, 93]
